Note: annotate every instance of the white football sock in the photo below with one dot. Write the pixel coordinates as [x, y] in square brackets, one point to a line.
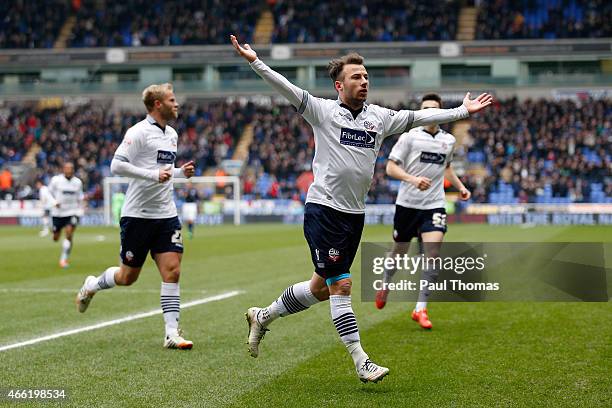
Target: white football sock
[170, 299]
[106, 280]
[295, 298]
[346, 325]
[66, 247]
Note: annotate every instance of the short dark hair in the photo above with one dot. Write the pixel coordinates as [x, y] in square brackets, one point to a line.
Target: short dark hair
[335, 66]
[432, 97]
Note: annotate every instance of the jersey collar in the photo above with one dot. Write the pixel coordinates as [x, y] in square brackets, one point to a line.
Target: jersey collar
[154, 123]
[354, 113]
[431, 134]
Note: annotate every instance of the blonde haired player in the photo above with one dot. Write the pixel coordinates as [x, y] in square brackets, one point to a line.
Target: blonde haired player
[149, 222]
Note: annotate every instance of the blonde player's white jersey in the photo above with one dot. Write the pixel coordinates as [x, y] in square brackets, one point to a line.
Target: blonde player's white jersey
[422, 154]
[147, 146]
[46, 198]
[68, 193]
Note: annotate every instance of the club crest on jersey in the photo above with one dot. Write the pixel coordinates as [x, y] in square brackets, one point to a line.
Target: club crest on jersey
[368, 125]
[334, 255]
[434, 158]
[166, 157]
[357, 138]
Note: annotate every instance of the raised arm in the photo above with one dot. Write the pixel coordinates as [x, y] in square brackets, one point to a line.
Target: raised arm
[403, 120]
[294, 94]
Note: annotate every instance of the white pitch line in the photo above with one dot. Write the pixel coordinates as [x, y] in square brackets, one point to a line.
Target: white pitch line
[123, 290]
[117, 321]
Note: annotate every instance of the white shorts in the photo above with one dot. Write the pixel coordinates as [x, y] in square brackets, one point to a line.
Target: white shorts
[190, 212]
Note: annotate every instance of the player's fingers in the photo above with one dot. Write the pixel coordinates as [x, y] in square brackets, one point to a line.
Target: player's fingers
[485, 98]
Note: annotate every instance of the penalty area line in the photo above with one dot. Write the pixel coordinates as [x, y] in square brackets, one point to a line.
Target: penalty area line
[114, 322]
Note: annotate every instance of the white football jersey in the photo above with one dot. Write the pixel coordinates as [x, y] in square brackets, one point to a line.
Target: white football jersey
[345, 147]
[147, 146]
[422, 154]
[68, 193]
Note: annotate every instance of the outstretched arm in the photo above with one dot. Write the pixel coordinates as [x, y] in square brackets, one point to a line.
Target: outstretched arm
[430, 116]
[403, 120]
[294, 94]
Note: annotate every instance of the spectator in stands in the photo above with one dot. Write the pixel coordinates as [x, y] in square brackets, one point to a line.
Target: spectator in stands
[511, 19]
[302, 21]
[529, 151]
[6, 182]
[119, 23]
[25, 24]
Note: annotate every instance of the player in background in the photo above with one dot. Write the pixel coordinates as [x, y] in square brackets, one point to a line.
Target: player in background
[67, 192]
[191, 198]
[47, 202]
[149, 221]
[117, 200]
[421, 159]
[348, 134]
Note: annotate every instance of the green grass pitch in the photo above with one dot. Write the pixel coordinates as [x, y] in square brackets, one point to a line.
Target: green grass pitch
[479, 354]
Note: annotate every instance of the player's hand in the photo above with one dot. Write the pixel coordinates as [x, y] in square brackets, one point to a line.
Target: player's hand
[464, 194]
[244, 50]
[422, 183]
[188, 169]
[477, 104]
[165, 175]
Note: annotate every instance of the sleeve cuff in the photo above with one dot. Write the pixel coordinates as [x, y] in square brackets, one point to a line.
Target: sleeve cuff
[178, 172]
[463, 112]
[154, 175]
[257, 64]
[396, 159]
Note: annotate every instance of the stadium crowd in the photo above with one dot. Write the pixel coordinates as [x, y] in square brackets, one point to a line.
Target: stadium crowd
[299, 21]
[24, 24]
[529, 151]
[115, 22]
[89, 134]
[550, 19]
[124, 23]
[543, 151]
